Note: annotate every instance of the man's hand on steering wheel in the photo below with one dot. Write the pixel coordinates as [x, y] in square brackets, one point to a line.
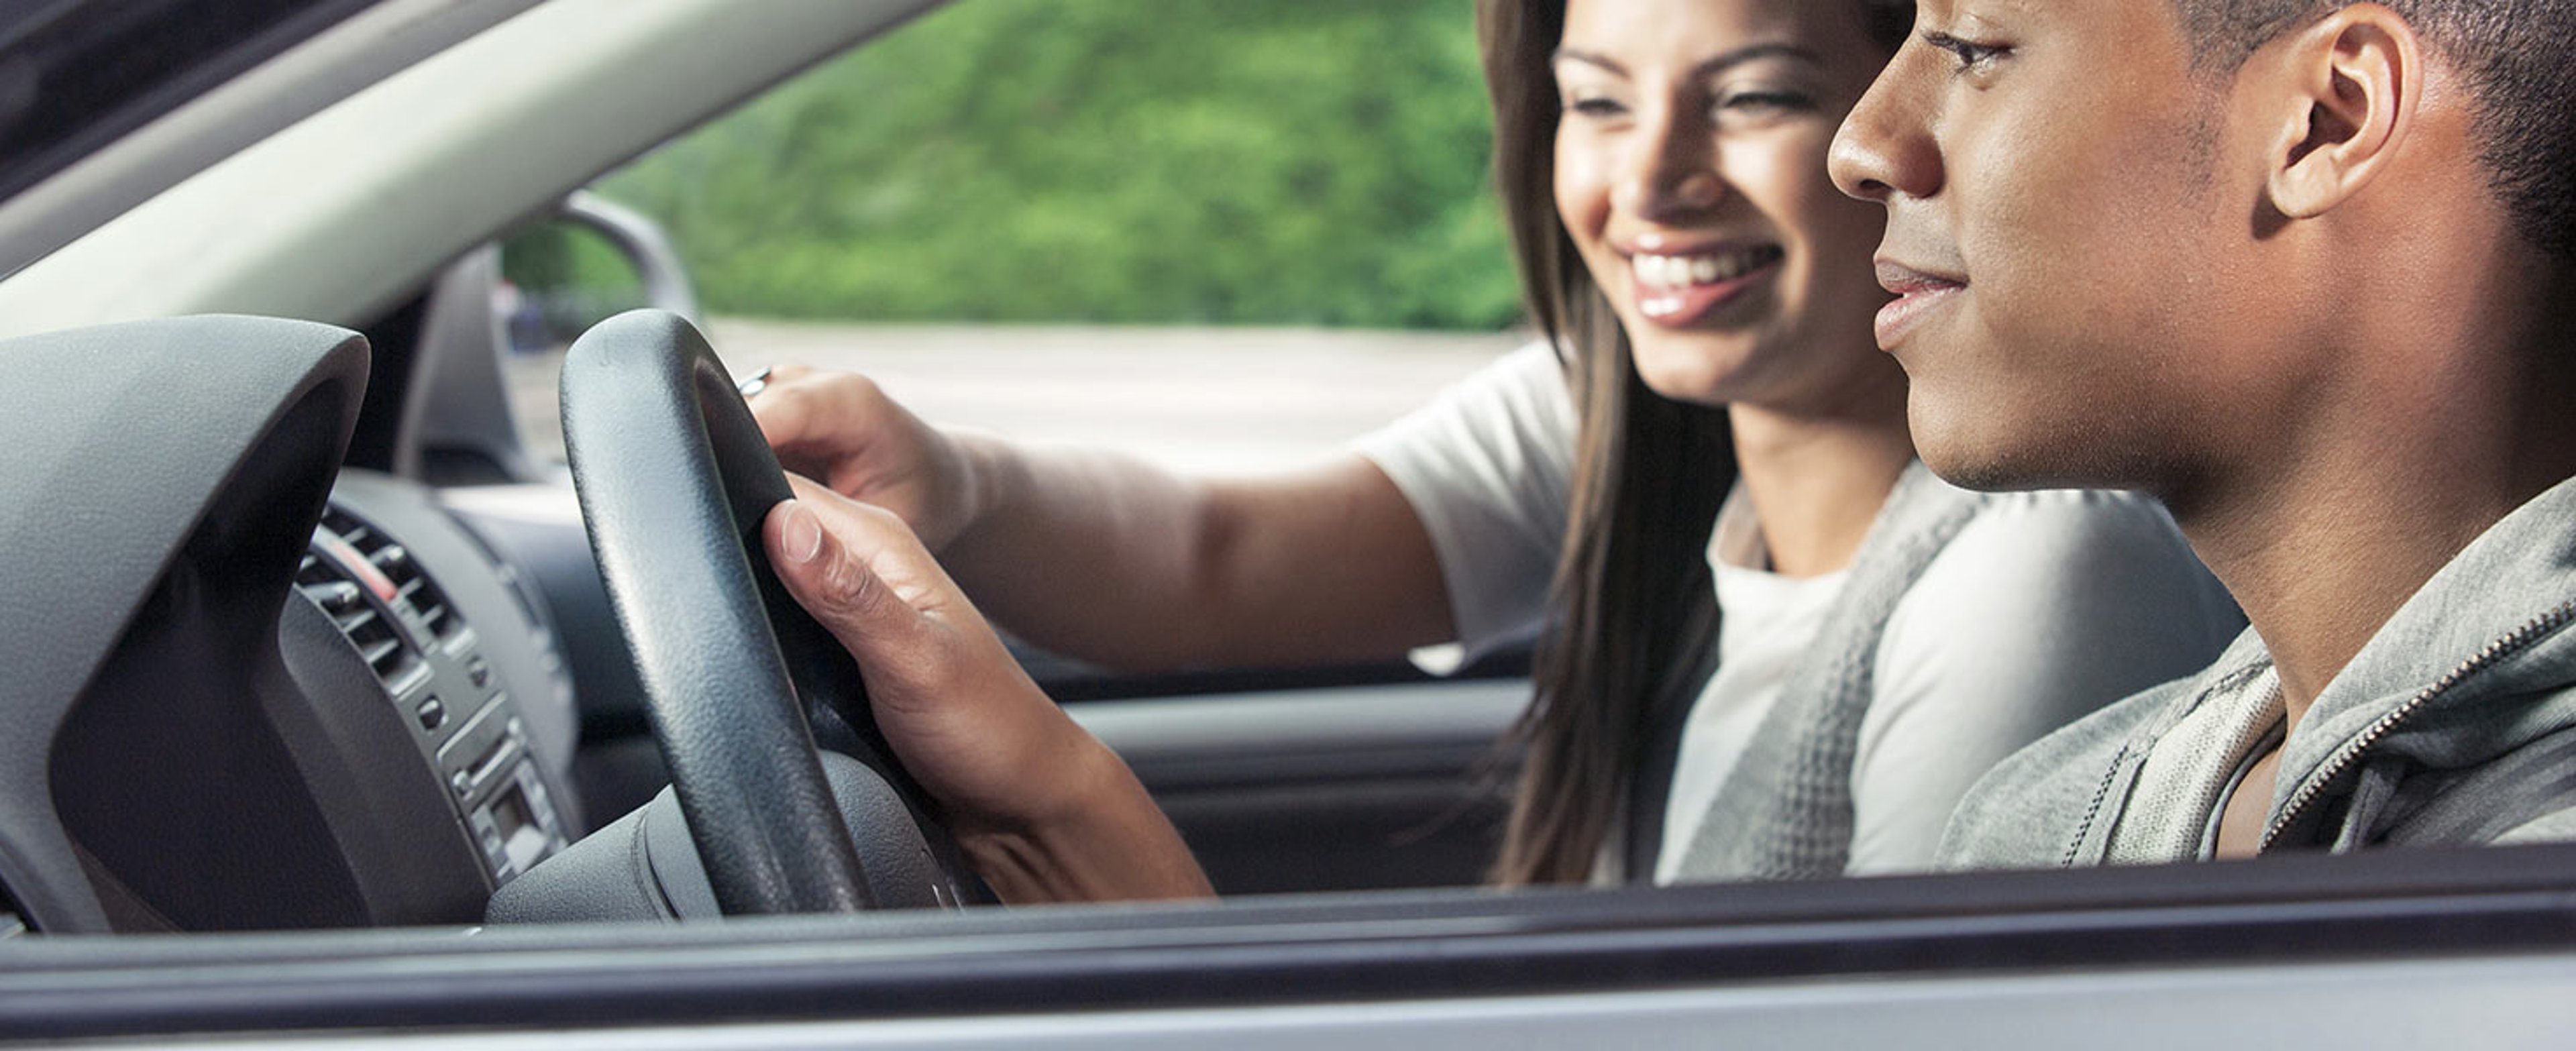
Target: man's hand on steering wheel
[1044, 810]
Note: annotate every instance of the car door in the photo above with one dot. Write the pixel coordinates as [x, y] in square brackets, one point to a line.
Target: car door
[2394, 950]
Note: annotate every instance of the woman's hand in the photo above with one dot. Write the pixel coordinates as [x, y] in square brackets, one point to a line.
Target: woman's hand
[1114, 560]
[840, 428]
[1043, 809]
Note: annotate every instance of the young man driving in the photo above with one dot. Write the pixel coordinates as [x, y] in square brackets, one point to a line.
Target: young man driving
[2299, 269]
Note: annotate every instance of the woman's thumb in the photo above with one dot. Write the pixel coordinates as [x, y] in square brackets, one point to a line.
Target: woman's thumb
[833, 583]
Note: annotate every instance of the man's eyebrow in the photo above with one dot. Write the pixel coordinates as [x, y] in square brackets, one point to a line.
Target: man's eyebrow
[1710, 66]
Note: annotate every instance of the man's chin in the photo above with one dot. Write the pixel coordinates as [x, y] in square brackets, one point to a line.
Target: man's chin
[1979, 473]
[1975, 457]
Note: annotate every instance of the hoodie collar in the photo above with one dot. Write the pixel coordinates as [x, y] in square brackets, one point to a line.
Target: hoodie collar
[2488, 624]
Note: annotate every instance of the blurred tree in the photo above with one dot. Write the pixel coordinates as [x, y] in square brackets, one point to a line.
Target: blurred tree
[1211, 161]
[566, 278]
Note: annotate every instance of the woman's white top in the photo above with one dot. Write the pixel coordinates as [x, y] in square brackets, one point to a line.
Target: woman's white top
[2045, 607]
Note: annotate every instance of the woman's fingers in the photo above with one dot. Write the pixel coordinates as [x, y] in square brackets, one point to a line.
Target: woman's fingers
[829, 411]
[1047, 813]
[839, 589]
[799, 416]
[841, 428]
[861, 574]
[952, 702]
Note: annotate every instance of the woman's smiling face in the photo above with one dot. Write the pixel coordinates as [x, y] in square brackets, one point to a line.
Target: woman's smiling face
[1690, 173]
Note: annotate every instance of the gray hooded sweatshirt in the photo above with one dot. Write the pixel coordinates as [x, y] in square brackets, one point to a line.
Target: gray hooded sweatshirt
[2455, 724]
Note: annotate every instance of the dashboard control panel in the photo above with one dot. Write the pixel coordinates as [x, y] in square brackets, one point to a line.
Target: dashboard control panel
[465, 722]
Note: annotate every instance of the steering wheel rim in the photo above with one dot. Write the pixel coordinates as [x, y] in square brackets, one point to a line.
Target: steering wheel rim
[674, 480]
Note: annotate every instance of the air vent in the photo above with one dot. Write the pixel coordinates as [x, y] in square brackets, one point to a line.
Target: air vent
[411, 584]
[359, 619]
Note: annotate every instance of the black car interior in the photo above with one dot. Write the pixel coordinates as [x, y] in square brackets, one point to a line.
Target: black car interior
[229, 713]
[309, 693]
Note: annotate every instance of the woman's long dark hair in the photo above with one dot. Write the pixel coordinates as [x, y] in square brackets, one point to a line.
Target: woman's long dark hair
[1630, 601]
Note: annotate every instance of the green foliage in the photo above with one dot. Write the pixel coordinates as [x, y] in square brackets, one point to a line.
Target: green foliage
[1212, 161]
[559, 254]
[575, 278]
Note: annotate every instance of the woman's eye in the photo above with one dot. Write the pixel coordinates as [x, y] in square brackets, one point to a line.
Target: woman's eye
[1970, 55]
[1763, 101]
[1594, 106]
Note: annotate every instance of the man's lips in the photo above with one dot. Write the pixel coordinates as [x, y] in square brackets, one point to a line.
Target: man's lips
[1919, 295]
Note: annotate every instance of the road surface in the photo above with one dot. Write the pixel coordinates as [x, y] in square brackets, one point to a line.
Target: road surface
[1202, 399]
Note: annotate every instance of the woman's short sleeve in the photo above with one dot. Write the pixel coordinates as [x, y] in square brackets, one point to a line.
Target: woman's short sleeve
[1487, 468]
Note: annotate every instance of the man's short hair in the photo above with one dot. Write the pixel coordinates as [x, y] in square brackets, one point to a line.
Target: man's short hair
[2515, 57]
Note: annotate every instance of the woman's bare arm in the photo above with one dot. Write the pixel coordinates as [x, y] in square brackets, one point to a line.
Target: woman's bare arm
[1110, 559]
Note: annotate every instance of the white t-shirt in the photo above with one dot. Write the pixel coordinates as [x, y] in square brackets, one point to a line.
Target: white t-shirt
[1763, 634]
[2044, 607]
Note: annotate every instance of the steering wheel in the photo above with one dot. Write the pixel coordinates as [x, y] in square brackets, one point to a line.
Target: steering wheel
[674, 480]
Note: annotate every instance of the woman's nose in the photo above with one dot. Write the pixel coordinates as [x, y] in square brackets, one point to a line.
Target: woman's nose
[1671, 170]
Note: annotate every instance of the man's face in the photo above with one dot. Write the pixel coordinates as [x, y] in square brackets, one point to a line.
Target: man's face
[2066, 251]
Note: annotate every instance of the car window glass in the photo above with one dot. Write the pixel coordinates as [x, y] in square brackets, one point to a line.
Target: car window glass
[1227, 236]
[78, 73]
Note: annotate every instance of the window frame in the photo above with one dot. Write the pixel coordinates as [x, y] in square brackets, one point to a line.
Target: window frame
[2386, 906]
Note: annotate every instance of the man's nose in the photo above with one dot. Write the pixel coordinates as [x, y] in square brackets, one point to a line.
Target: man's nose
[1884, 147]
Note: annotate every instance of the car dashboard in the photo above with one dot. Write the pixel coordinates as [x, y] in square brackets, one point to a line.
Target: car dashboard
[492, 712]
[254, 691]
[258, 688]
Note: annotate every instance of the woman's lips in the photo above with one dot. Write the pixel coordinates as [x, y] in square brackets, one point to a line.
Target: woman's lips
[1919, 296]
[1679, 289]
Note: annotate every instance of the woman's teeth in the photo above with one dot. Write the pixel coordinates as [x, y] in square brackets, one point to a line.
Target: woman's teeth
[1683, 271]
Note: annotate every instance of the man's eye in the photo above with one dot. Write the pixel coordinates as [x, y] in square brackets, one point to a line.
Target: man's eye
[1970, 55]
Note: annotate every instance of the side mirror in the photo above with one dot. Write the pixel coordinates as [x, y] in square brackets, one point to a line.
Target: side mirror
[480, 407]
[591, 260]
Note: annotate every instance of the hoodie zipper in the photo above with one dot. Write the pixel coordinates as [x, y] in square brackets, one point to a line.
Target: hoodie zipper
[2513, 642]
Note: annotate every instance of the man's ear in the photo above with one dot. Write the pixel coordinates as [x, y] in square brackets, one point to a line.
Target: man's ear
[2354, 82]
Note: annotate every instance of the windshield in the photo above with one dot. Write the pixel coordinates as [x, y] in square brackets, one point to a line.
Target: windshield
[75, 74]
